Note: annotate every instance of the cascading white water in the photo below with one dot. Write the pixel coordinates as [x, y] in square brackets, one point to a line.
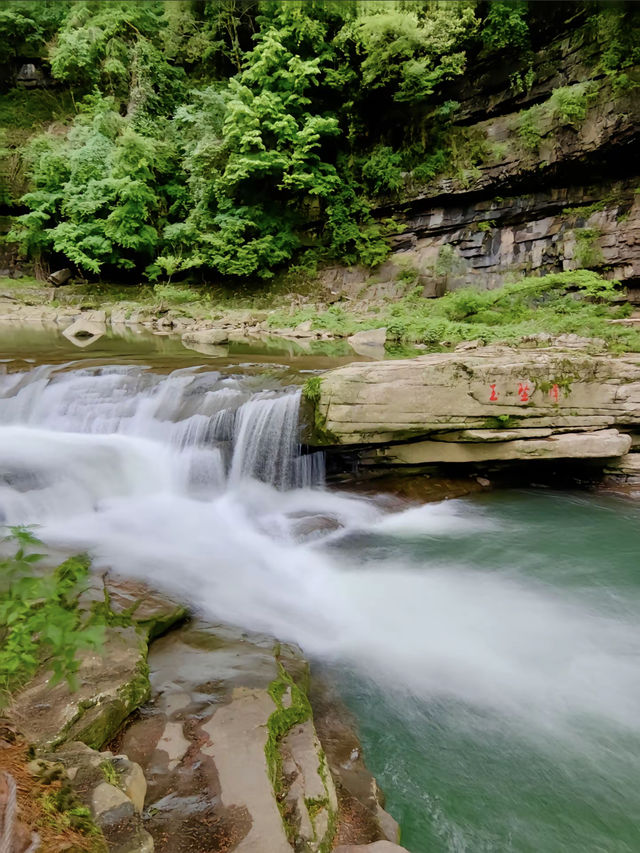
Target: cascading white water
[104, 432]
[189, 479]
[495, 632]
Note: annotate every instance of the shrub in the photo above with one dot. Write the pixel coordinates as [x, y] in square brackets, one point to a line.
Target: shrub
[588, 254]
[40, 621]
[382, 170]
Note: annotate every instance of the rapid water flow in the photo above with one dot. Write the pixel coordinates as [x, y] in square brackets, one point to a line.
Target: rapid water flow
[503, 634]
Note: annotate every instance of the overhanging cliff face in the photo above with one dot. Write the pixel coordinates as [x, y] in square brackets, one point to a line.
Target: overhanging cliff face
[542, 181]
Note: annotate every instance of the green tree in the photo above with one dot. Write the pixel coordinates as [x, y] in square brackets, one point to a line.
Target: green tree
[97, 196]
[409, 55]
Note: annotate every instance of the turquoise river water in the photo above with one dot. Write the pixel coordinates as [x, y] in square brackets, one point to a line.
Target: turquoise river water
[489, 647]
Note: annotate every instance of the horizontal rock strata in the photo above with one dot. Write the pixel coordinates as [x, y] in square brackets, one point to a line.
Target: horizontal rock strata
[493, 403]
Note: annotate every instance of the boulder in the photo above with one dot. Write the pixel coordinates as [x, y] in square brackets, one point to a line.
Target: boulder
[60, 277]
[83, 332]
[209, 337]
[368, 338]
[112, 787]
[490, 388]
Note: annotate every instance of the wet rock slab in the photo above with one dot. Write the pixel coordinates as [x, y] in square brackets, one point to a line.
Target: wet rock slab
[201, 742]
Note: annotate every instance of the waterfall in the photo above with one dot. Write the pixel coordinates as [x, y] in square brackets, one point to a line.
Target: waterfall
[81, 436]
[506, 630]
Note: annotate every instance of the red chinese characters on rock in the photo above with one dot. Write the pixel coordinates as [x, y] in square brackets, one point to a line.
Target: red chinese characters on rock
[524, 392]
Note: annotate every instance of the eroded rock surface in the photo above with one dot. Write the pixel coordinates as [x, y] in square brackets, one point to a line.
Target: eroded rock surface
[112, 682]
[489, 403]
[228, 747]
[362, 817]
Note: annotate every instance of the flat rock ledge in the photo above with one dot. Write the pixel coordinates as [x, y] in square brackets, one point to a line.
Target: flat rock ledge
[486, 404]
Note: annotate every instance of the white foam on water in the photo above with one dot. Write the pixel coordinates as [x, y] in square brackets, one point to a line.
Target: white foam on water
[188, 480]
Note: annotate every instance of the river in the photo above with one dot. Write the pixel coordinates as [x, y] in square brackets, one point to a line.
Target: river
[489, 647]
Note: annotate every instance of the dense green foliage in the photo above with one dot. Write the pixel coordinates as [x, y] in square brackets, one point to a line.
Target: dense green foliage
[40, 621]
[231, 137]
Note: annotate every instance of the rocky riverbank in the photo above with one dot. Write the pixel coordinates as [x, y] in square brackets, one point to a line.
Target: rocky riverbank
[185, 737]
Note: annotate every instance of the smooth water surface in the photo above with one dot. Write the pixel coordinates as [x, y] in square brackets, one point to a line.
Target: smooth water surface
[490, 647]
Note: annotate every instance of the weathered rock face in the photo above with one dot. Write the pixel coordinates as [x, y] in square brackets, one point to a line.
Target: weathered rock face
[229, 748]
[531, 190]
[600, 444]
[451, 243]
[485, 244]
[491, 403]
[112, 682]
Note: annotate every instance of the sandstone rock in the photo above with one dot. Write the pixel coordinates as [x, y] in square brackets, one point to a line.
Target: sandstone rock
[238, 734]
[111, 786]
[118, 315]
[131, 780]
[489, 388]
[360, 801]
[304, 330]
[626, 469]
[483, 435]
[201, 740]
[211, 350]
[206, 336]
[311, 796]
[110, 805]
[529, 232]
[602, 444]
[112, 683]
[60, 277]
[389, 825]
[149, 609]
[83, 333]
[368, 338]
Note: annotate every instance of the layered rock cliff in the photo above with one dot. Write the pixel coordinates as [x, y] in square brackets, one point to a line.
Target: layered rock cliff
[538, 180]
